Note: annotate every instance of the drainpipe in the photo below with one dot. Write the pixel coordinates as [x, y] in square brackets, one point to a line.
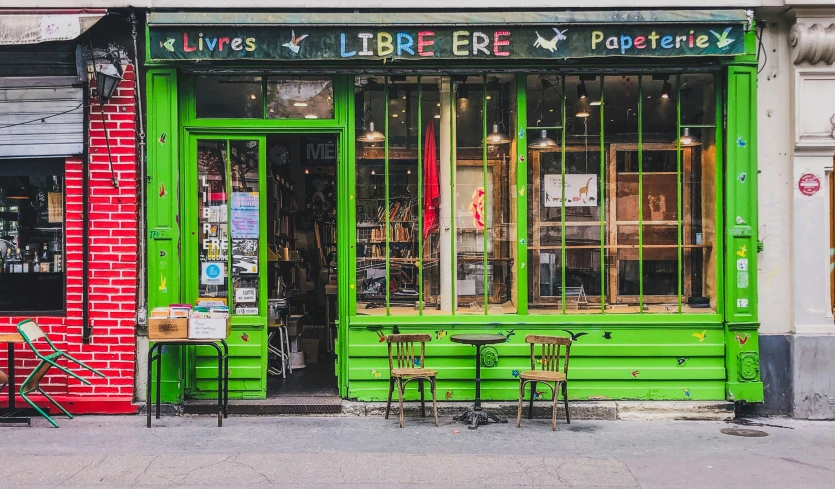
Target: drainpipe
[142, 309]
[85, 202]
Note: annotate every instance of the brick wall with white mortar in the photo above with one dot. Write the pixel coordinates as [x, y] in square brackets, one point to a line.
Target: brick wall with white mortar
[112, 267]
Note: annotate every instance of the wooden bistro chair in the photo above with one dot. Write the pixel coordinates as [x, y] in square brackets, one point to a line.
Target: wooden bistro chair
[549, 363]
[31, 332]
[405, 367]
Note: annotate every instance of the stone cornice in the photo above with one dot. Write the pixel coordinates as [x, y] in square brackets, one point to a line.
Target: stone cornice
[813, 43]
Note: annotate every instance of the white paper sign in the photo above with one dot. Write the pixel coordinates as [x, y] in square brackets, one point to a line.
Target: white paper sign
[245, 295]
[212, 273]
[580, 190]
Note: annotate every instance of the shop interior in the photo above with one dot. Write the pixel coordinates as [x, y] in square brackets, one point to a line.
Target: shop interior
[301, 274]
[31, 235]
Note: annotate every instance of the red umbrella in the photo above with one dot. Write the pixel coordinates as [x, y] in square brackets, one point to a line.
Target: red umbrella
[431, 186]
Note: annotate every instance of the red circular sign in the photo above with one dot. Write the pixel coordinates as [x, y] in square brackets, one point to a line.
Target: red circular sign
[808, 184]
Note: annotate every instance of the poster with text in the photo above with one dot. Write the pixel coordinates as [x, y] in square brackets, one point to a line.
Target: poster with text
[245, 212]
[580, 190]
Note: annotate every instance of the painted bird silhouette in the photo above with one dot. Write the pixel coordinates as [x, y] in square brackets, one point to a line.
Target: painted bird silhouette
[440, 334]
[701, 335]
[574, 337]
[607, 335]
[509, 334]
[635, 373]
[293, 45]
[742, 338]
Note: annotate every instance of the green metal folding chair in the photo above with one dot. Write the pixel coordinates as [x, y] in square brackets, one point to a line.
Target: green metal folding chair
[31, 332]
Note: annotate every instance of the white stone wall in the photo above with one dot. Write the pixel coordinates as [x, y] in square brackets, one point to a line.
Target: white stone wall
[774, 154]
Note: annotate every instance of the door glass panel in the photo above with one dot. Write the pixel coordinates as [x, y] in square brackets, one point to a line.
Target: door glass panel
[244, 225]
[212, 227]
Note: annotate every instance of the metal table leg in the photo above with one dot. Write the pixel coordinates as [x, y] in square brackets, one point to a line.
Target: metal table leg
[12, 410]
[477, 415]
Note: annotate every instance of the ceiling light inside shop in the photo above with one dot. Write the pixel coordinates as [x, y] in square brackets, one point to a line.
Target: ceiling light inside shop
[311, 116]
[497, 137]
[371, 135]
[299, 104]
[543, 141]
[666, 89]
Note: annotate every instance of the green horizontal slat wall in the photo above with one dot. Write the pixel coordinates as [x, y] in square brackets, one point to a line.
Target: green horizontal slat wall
[246, 379]
[632, 363]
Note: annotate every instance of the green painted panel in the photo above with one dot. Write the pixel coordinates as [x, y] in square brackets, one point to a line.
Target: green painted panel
[695, 390]
[247, 349]
[741, 196]
[639, 362]
[163, 212]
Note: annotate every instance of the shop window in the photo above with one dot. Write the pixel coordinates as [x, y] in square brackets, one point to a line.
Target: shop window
[622, 194]
[32, 236]
[299, 97]
[232, 97]
[420, 249]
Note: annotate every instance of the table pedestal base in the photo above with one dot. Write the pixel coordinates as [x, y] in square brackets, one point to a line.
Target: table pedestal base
[479, 416]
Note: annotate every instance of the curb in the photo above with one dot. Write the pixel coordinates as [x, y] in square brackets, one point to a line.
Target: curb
[581, 410]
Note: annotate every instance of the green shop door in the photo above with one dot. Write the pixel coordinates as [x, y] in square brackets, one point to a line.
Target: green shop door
[225, 255]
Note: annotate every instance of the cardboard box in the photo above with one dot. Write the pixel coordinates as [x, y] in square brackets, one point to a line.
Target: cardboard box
[167, 329]
[208, 328]
[310, 347]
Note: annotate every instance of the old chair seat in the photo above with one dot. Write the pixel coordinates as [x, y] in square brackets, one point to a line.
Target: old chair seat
[542, 376]
[413, 372]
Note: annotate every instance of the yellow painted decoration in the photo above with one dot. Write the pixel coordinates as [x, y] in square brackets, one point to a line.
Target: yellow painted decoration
[701, 335]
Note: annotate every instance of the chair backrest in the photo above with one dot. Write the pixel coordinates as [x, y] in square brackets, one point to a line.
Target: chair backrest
[404, 355]
[31, 332]
[549, 356]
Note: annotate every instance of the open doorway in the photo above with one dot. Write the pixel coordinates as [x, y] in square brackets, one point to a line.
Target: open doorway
[301, 235]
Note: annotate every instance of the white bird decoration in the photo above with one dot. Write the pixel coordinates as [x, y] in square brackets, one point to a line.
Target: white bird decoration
[293, 45]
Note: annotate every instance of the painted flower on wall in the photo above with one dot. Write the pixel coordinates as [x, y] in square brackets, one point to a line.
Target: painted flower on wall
[477, 208]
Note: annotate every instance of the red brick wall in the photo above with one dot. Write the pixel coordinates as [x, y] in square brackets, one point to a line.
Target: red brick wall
[112, 262]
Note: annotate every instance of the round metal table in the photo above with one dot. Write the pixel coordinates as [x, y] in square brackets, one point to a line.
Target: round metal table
[477, 415]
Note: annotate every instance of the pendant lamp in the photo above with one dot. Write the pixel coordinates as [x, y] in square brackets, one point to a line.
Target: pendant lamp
[543, 141]
[686, 139]
[497, 137]
[371, 135]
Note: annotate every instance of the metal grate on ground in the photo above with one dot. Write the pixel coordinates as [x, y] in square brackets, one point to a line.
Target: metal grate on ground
[269, 406]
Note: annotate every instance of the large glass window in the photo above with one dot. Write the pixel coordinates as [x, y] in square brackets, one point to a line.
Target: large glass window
[32, 235]
[435, 209]
[622, 193]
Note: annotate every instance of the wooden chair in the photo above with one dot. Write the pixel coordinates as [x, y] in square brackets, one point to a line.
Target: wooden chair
[549, 361]
[405, 367]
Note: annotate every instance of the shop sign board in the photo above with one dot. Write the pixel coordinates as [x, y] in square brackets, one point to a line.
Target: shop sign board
[531, 42]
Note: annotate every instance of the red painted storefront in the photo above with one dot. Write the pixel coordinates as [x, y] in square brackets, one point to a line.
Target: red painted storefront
[112, 268]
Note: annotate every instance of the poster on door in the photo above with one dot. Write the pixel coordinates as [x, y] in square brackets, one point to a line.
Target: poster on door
[580, 190]
[244, 220]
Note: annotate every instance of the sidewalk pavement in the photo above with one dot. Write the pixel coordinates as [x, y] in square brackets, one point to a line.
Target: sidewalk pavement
[358, 452]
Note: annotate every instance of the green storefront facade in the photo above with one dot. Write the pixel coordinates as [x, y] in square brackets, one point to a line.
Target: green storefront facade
[589, 173]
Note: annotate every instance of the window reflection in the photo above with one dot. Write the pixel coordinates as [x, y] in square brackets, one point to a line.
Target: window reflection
[229, 97]
[299, 97]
